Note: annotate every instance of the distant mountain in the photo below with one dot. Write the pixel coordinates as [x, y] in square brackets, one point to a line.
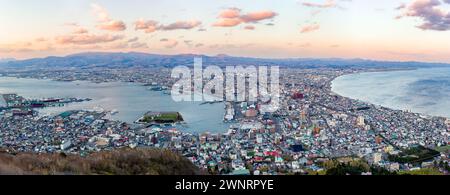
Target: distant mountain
[4, 60]
[135, 59]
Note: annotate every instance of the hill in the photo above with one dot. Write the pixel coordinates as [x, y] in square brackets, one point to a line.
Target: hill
[117, 162]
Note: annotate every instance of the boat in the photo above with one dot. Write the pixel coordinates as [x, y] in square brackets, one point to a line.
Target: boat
[114, 111]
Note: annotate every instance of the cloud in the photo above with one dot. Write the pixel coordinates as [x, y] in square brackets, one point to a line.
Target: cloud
[137, 45]
[113, 26]
[186, 25]
[150, 26]
[249, 27]
[169, 43]
[116, 45]
[199, 45]
[326, 4]
[188, 43]
[401, 6]
[228, 22]
[232, 17]
[257, 16]
[310, 28]
[105, 21]
[433, 17]
[87, 39]
[230, 13]
[80, 30]
[23, 47]
[100, 12]
[133, 39]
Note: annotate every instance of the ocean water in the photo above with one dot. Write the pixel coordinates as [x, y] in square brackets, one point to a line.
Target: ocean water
[425, 91]
[130, 99]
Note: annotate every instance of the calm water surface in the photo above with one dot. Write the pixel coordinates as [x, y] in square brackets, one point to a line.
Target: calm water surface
[425, 91]
[130, 99]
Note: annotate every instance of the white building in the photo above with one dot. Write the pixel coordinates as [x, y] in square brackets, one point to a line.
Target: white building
[360, 121]
[447, 122]
[66, 144]
[377, 157]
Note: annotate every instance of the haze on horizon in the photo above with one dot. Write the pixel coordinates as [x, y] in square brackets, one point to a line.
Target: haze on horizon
[401, 30]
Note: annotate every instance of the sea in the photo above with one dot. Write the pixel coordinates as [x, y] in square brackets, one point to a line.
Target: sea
[424, 90]
[131, 100]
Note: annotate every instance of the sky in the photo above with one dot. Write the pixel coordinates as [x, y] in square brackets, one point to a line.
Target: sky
[399, 30]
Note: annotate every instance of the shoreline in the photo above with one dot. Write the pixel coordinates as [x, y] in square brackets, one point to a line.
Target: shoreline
[330, 86]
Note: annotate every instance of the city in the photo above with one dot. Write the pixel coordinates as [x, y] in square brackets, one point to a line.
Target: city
[314, 126]
[226, 96]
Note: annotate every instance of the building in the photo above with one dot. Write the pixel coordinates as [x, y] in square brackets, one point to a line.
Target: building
[259, 139]
[251, 113]
[377, 157]
[394, 167]
[3, 102]
[66, 144]
[297, 95]
[360, 121]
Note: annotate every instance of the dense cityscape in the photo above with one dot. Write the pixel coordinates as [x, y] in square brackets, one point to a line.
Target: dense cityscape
[313, 130]
[236, 96]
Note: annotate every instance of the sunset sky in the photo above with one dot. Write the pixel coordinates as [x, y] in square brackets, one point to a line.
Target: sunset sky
[402, 30]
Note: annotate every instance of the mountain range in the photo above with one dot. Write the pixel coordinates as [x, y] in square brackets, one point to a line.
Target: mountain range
[146, 60]
[3, 60]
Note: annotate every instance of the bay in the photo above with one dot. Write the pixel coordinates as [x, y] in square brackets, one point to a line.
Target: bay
[425, 91]
[131, 100]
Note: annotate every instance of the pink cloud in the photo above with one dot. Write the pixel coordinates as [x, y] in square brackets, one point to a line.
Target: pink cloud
[181, 25]
[100, 12]
[137, 45]
[232, 17]
[113, 25]
[228, 22]
[105, 21]
[310, 28]
[230, 13]
[80, 30]
[148, 26]
[326, 4]
[86, 39]
[257, 16]
[249, 27]
[22, 47]
[169, 43]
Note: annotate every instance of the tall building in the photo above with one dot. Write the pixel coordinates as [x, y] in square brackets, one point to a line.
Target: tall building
[360, 121]
[377, 157]
[2, 101]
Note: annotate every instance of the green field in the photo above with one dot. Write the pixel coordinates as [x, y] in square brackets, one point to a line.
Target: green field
[416, 154]
[444, 149]
[169, 117]
[425, 171]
